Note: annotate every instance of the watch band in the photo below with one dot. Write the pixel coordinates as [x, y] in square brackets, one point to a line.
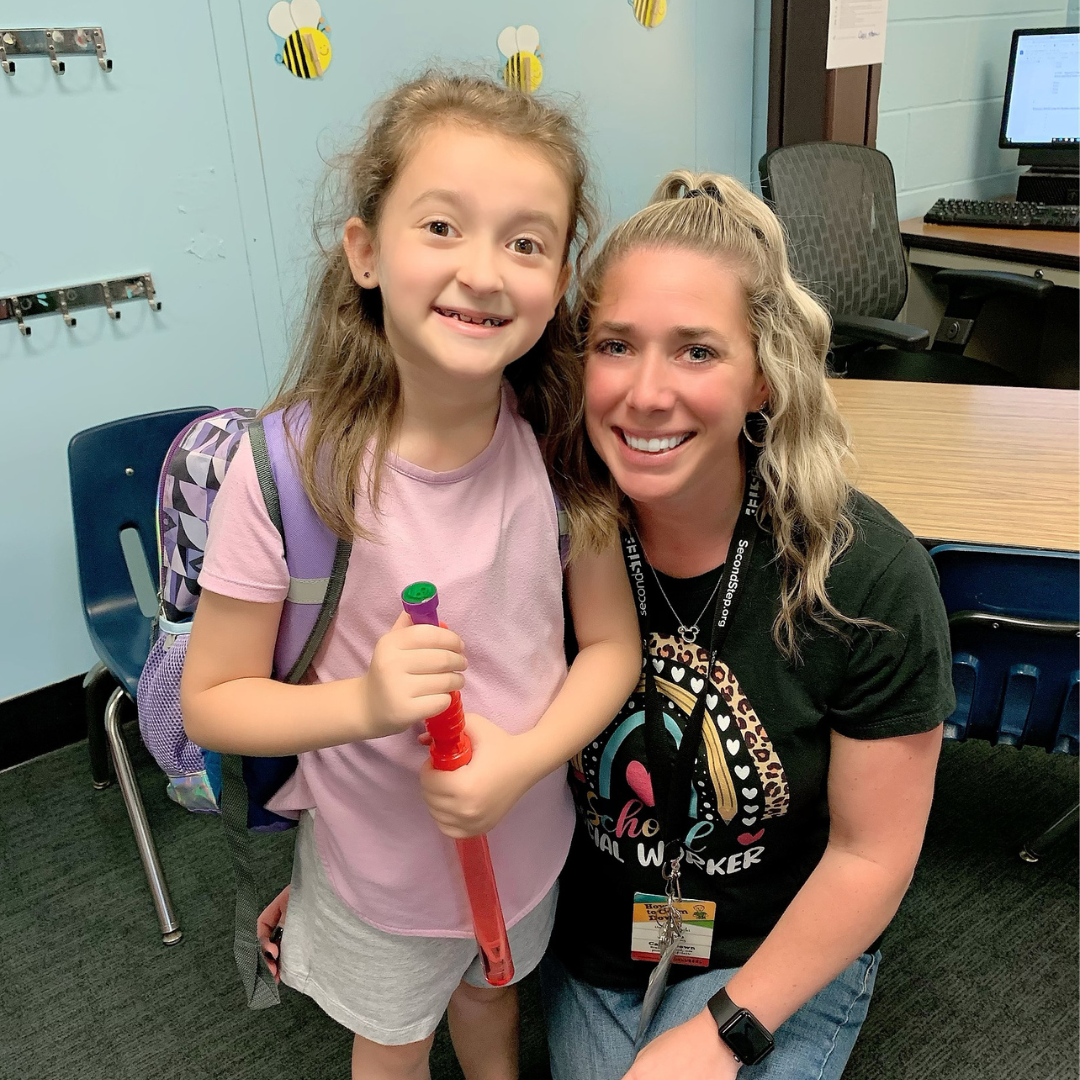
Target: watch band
[723, 1009]
[747, 1038]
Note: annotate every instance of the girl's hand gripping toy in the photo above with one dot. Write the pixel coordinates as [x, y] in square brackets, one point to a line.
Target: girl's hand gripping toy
[450, 749]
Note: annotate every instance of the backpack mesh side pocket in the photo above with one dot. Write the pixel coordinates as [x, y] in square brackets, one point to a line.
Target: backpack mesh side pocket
[194, 774]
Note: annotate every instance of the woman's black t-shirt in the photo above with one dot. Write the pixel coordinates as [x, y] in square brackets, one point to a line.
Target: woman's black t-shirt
[759, 790]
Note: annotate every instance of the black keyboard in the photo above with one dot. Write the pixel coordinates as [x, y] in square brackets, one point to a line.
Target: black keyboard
[1003, 215]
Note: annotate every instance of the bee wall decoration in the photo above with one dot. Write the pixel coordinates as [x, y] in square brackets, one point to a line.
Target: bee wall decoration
[649, 13]
[305, 48]
[523, 69]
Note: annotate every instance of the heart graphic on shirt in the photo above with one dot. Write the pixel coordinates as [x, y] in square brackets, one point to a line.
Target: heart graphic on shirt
[696, 685]
[711, 700]
[749, 820]
[677, 673]
[749, 792]
[742, 771]
[637, 776]
[733, 746]
[751, 810]
[750, 838]
[722, 722]
[658, 664]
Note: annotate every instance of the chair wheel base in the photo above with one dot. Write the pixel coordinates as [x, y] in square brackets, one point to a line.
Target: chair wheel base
[174, 937]
[1029, 856]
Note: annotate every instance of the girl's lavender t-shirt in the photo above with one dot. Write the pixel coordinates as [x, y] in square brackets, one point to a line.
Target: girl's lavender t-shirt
[487, 535]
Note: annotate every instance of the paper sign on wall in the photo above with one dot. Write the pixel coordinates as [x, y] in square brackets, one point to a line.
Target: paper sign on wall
[856, 32]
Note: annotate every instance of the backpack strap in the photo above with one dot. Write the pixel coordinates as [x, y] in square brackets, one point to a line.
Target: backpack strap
[563, 519]
[317, 559]
[317, 562]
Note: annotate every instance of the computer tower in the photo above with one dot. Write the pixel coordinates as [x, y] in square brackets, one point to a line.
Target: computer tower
[1052, 188]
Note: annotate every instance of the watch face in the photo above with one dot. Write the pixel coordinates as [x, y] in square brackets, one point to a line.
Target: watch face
[748, 1040]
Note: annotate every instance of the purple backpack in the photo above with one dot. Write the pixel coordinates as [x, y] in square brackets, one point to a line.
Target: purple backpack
[317, 560]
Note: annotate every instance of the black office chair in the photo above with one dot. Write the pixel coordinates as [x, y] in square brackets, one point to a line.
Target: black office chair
[1014, 619]
[114, 470]
[838, 206]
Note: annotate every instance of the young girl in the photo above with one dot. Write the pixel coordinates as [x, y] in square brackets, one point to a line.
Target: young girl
[436, 347]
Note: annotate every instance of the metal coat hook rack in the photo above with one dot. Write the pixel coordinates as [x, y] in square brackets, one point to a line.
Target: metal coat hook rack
[63, 301]
[53, 42]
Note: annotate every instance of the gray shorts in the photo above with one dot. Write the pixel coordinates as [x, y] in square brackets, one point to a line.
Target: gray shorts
[390, 988]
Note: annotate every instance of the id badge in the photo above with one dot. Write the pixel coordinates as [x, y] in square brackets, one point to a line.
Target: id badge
[693, 947]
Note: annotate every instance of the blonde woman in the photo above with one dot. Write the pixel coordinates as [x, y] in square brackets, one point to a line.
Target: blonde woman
[754, 813]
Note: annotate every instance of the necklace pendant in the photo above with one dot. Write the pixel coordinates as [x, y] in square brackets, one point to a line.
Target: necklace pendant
[689, 633]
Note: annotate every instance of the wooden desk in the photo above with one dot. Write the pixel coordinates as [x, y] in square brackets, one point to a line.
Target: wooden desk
[985, 464]
[1026, 247]
[1004, 332]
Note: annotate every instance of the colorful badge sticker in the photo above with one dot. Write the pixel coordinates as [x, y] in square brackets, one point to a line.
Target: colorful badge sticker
[649, 13]
[523, 70]
[650, 917]
[305, 47]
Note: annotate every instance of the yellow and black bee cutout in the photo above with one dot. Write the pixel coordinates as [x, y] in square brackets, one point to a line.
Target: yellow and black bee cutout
[649, 13]
[305, 48]
[523, 69]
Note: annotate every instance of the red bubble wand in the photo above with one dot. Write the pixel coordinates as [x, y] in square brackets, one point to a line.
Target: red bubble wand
[450, 749]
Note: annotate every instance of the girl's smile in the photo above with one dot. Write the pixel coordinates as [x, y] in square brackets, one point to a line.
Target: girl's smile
[473, 322]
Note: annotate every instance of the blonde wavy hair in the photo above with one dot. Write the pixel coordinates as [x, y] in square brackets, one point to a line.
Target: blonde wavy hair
[342, 368]
[806, 495]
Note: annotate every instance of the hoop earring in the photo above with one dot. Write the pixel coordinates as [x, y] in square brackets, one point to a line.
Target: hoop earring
[761, 423]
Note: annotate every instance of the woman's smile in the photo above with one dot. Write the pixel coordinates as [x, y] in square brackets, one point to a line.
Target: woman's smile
[653, 443]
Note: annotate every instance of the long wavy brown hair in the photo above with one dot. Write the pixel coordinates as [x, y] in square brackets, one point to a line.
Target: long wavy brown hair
[807, 496]
[342, 369]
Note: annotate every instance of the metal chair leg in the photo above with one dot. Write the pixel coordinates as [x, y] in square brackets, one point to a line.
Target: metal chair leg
[1033, 850]
[125, 775]
[97, 686]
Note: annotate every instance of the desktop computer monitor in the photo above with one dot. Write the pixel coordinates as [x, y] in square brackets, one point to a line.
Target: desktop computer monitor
[1041, 116]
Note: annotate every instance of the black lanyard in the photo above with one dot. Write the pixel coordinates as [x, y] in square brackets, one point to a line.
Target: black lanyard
[673, 793]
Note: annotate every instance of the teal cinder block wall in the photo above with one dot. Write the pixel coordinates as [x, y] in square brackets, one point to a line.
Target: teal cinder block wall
[196, 159]
[942, 89]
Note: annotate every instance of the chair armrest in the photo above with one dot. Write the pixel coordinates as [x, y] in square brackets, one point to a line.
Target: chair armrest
[1015, 622]
[882, 332]
[978, 284]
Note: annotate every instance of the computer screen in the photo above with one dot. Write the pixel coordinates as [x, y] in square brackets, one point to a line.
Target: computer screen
[1042, 108]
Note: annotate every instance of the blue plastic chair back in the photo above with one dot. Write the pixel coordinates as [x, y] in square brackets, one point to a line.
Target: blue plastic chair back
[114, 471]
[1014, 616]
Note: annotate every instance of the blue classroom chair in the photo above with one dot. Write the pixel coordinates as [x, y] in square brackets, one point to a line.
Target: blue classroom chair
[114, 470]
[1014, 620]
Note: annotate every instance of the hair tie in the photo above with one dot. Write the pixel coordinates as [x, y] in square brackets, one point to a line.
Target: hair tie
[715, 195]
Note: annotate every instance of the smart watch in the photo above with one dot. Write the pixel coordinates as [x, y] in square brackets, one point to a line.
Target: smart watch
[745, 1036]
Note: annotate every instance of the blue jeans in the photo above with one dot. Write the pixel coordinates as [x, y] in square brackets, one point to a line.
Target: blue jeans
[591, 1030]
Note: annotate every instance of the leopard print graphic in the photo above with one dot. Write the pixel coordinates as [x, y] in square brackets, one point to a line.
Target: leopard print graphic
[771, 774]
[774, 781]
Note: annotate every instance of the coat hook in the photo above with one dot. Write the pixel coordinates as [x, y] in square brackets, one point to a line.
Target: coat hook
[113, 313]
[69, 319]
[16, 310]
[8, 65]
[151, 296]
[99, 44]
[52, 39]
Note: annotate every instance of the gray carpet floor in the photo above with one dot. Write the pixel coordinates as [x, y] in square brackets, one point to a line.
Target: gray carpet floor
[979, 980]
